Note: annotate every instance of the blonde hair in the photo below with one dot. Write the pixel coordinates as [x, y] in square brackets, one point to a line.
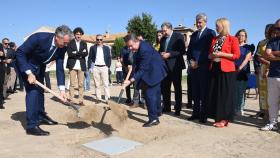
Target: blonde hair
[225, 24]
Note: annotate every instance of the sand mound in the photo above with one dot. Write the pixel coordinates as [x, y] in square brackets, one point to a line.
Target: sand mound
[99, 116]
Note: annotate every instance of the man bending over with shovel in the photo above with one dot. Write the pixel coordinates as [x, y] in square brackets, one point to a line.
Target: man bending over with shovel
[32, 56]
[150, 70]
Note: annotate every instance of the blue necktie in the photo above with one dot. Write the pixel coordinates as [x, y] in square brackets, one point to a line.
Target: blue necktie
[166, 43]
[52, 51]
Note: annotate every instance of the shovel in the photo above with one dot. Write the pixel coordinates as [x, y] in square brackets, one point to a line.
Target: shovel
[71, 105]
[123, 87]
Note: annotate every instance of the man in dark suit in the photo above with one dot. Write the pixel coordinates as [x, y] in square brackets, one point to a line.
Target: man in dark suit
[31, 59]
[172, 48]
[198, 60]
[2, 74]
[99, 61]
[150, 70]
[76, 63]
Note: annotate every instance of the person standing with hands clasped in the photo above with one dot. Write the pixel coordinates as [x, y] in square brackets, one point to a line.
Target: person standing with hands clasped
[223, 52]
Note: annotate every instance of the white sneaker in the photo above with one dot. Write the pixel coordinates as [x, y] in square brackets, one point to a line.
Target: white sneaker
[270, 127]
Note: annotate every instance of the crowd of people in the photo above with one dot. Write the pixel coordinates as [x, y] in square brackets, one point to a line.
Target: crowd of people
[218, 68]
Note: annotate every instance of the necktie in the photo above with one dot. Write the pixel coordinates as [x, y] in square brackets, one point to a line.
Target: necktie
[52, 51]
[198, 34]
[166, 43]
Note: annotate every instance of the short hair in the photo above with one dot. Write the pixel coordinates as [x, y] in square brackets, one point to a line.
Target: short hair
[242, 30]
[78, 29]
[202, 16]
[5, 39]
[99, 35]
[226, 25]
[63, 30]
[129, 37]
[166, 24]
[273, 30]
[12, 44]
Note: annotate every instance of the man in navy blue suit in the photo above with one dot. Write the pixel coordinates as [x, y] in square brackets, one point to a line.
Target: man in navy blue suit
[198, 61]
[32, 56]
[150, 70]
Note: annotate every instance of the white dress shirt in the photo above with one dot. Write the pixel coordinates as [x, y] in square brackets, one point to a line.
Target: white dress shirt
[99, 60]
[77, 65]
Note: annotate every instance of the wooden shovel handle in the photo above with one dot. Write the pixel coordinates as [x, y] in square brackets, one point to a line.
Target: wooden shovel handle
[49, 90]
[128, 74]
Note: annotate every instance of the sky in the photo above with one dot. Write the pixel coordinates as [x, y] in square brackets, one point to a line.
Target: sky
[22, 17]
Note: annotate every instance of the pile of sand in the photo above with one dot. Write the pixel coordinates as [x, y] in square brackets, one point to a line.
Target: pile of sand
[116, 116]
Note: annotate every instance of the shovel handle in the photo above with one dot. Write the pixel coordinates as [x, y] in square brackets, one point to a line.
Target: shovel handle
[49, 90]
[128, 74]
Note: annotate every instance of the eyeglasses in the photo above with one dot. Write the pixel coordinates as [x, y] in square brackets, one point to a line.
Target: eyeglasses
[99, 39]
[6, 43]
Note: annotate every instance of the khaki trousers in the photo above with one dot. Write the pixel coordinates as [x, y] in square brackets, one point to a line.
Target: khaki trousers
[12, 79]
[101, 78]
[74, 74]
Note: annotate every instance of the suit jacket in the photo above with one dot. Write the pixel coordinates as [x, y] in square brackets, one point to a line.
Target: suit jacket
[231, 46]
[35, 53]
[176, 48]
[92, 55]
[2, 49]
[198, 49]
[74, 54]
[149, 66]
[11, 54]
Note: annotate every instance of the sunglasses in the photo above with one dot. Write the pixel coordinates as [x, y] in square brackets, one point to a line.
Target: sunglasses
[6, 43]
[99, 39]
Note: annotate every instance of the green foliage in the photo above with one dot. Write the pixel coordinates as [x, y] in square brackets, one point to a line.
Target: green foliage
[118, 44]
[143, 26]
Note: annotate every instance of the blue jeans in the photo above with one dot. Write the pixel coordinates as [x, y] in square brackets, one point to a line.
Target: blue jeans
[240, 95]
[119, 76]
[87, 81]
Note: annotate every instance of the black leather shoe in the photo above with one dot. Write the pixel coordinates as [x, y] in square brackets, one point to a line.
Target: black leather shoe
[47, 121]
[166, 110]
[2, 106]
[177, 113]
[189, 106]
[98, 102]
[127, 101]
[151, 123]
[37, 131]
[192, 118]
[203, 120]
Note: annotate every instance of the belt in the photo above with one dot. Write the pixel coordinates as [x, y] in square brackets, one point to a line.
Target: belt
[100, 65]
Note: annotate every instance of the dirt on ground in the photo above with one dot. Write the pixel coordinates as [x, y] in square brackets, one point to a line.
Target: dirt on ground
[174, 137]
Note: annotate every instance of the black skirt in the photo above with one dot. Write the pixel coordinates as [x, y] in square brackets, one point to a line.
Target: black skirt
[221, 99]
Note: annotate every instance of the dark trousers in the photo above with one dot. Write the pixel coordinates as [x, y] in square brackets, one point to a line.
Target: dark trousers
[127, 89]
[200, 87]
[47, 79]
[34, 99]
[189, 84]
[152, 99]
[19, 78]
[2, 78]
[176, 79]
[119, 76]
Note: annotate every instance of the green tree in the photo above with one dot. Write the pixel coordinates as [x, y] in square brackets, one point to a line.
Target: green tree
[143, 26]
[118, 44]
